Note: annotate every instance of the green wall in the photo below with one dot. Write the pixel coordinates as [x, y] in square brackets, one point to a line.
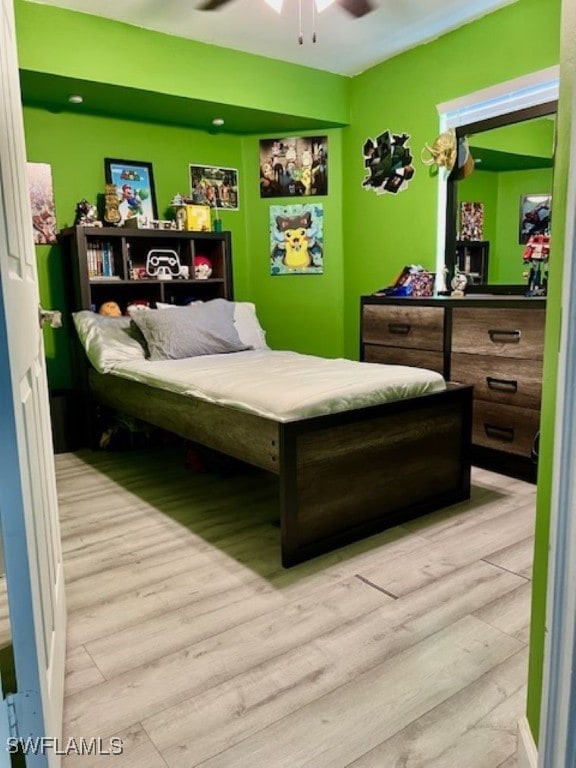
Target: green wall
[482, 187]
[553, 319]
[303, 313]
[507, 266]
[75, 146]
[382, 233]
[68, 44]
[533, 138]
[501, 193]
[368, 238]
[300, 312]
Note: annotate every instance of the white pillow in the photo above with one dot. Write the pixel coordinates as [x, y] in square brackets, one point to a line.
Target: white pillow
[108, 340]
[245, 320]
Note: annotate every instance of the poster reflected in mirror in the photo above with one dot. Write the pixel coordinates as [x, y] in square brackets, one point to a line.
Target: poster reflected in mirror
[535, 211]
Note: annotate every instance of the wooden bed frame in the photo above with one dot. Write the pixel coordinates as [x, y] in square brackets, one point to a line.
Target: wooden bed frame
[343, 476]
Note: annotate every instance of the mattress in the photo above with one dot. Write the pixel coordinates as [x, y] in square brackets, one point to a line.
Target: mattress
[284, 386]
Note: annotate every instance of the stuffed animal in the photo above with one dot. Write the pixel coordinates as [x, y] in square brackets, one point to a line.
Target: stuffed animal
[110, 308]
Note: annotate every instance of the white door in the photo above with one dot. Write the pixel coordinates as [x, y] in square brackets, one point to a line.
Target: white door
[28, 505]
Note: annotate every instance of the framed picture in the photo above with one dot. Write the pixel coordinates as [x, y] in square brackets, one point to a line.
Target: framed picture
[42, 203]
[297, 239]
[134, 183]
[534, 216]
[294, 167]
[214, 186]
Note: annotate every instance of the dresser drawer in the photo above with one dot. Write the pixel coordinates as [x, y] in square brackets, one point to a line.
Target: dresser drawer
[505, 427]
[403, 326]
[499, 331]
[500, 379]
[418, 358]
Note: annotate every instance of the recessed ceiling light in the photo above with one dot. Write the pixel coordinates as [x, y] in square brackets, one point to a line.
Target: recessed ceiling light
[218, 121]
[75, 99]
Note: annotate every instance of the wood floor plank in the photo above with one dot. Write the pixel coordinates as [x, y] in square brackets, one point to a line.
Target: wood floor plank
[176, 676]
[137, 752]
[377, 704]
[517, 558]
[452, 552]
[437, 731]
[81, 671]
[130, 608]
[234, 652]
[510, 613]
[491, 741]
[210, 722]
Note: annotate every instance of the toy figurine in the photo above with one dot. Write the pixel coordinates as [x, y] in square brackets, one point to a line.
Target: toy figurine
[111, 203]
[86, 214]
[202, 267]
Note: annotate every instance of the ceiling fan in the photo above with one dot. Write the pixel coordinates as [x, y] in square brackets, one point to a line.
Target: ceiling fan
[355, 8]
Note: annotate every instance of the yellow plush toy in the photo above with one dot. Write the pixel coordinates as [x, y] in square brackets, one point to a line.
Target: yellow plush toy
[110, 308]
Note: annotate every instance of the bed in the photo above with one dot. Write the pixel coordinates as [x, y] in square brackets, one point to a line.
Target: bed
[357, 447]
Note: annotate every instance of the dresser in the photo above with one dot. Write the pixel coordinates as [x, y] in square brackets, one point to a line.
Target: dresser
[494, 343]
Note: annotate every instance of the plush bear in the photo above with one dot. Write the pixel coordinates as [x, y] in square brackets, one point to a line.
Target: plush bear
[110, 308]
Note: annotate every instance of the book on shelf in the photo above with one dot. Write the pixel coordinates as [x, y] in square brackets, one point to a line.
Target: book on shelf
[100, 259]
[104, 278]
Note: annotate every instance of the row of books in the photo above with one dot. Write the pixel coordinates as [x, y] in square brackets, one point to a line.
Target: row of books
[100, 259]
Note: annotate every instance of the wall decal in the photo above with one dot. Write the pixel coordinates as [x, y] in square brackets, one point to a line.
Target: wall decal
[294, 167]
[296, 239]
[388, 161]
[42, 202]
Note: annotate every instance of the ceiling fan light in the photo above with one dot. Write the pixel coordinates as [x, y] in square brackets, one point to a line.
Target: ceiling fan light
[276, 4]
[321, 5]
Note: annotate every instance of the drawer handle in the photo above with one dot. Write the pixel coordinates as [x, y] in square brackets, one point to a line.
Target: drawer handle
[399, 329]
[505, 337]
[506, 434]
[502, 385]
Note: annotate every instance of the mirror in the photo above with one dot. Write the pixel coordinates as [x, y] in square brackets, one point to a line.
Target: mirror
[492, 211]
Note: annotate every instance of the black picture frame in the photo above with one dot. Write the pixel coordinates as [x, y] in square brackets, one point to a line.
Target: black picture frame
[134, 182]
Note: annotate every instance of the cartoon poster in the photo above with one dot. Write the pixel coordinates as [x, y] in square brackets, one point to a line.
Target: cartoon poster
[294, 167]
[42, 202]
[297, 239]
[388, 163]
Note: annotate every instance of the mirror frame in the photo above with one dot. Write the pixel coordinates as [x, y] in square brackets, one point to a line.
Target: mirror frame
[499, 121]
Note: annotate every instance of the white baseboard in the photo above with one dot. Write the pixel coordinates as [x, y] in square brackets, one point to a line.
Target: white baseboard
[527, 752]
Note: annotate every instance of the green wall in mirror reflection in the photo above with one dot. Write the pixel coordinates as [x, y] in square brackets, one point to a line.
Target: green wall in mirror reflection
[511, 162]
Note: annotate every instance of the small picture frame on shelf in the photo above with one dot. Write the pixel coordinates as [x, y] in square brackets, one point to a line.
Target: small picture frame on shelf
[134, 182]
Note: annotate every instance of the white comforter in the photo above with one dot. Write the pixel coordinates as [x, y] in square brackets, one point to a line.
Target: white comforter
[284, 386]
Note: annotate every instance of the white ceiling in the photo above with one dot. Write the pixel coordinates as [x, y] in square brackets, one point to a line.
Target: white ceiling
[345, 45]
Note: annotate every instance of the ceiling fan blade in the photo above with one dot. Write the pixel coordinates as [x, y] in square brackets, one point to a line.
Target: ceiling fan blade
[356, 8]
[212, 5]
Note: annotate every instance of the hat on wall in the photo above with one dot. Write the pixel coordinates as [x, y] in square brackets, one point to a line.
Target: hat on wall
[465, 160]
[442, 152]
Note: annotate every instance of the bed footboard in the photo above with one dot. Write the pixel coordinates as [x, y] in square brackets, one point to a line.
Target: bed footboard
[349, 475]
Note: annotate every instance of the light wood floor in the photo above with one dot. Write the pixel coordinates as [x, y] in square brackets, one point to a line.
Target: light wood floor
[189, 642]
